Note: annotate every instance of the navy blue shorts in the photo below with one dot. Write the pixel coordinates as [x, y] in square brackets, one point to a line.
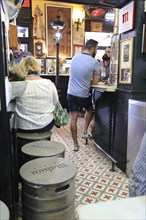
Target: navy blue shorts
[75, 103]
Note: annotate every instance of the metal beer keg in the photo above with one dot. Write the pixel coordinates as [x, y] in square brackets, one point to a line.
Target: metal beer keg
[4, 211]
[48, 189]
[37, 149]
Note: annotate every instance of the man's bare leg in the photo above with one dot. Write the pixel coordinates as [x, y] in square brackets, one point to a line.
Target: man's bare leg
[73, 126]
[87, 120]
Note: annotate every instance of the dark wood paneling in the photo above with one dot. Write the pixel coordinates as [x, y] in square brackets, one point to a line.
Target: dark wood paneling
[107, 3]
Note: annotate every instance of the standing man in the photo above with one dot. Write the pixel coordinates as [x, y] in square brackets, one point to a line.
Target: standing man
[17, 54]
[83, 73]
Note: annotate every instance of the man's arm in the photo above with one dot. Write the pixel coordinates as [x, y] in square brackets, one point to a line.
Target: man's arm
[95, 80]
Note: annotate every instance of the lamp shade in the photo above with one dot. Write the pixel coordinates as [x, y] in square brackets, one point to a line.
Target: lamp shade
[57, 24]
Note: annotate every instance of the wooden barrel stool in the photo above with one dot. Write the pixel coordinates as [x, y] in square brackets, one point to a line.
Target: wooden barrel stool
[40, 149]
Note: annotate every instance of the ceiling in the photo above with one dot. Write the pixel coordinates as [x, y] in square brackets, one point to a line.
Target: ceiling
[102, 3]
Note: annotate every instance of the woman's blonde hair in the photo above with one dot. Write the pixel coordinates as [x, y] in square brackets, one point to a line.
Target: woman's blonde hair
[16, 73]
[30, 65]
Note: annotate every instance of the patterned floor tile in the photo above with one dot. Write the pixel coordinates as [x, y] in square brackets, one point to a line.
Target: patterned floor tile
[92, 178]
[103, 181]
[78, 197]
[88, 200]
[94, 193]
[106, 197]
[94, 181]
[123, 193]
[107, 175]
[99, 187]
[87, 183]
[82, 189]
[115, 184]
[111, 190]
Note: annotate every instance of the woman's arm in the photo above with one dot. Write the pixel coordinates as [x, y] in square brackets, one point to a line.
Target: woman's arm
[55, 95]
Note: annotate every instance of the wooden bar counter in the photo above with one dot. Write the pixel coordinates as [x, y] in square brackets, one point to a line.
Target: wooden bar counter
[104, 100]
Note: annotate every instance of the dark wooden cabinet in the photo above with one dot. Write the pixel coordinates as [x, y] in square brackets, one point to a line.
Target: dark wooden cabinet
[104, 119]
[25, 20]
[63, 85]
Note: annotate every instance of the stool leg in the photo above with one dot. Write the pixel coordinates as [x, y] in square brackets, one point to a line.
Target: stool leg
[86, 141]
[113, 167]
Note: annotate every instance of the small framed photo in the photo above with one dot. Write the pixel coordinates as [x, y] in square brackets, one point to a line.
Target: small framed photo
[43, 65]
[126, 61]
[78, 49]
[96, 26]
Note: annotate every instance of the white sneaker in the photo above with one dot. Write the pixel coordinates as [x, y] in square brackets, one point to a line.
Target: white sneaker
[86, 136]
[76, 147]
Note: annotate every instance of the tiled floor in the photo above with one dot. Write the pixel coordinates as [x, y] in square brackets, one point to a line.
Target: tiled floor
[94, 180]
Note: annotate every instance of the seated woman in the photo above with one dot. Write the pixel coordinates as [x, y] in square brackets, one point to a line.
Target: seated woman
[35, 97]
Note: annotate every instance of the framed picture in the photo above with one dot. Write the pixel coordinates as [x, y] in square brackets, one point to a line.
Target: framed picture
[43, 65]
[126, 61]
[65, 44]
[78, 49]
[96, 26]
[126, 17]
[50, 66]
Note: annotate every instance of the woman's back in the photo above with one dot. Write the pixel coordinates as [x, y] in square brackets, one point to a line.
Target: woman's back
[34, 108]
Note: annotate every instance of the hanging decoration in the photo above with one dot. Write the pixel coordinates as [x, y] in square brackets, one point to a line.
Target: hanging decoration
[38, 26]
[13, 7]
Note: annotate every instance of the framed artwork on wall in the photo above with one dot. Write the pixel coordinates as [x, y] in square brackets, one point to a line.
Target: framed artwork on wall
[96, 26]
[43, 65]
[65, 13]
[126, 61]
[126, 17]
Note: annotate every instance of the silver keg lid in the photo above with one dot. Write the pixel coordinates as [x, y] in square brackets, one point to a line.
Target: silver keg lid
[43, 148]
[4, 211]
[48, 171]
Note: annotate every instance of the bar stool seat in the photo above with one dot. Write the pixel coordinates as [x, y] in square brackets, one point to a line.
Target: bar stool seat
[34, 136]
[25, 138]
[38, 149]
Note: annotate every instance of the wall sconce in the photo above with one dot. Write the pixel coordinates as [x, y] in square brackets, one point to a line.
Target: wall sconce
[78, 18]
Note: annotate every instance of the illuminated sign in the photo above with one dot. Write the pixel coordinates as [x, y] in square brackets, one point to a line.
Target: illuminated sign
[126, 18]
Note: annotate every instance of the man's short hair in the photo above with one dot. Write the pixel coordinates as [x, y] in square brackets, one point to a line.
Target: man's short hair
[91, 43]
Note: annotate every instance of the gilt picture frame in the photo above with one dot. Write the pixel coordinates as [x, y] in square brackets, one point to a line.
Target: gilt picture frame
[65, 44]
[126, 61]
